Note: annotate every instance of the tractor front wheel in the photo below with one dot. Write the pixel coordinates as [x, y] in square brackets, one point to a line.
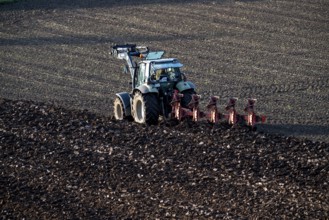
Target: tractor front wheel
[118, 109]
[146, 108]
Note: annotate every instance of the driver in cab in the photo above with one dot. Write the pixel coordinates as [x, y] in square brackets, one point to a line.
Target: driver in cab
[163, 75]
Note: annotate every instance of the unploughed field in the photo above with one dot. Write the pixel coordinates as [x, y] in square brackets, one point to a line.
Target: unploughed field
[61, 161]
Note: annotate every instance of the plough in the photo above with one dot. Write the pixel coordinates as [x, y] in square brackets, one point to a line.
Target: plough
[159, 88]
[212, 114]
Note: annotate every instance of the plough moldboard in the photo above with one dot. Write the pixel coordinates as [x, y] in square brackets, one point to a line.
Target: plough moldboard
[212, 114]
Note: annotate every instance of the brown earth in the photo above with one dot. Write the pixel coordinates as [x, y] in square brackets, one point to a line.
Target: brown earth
[62, 164]
[275, 51]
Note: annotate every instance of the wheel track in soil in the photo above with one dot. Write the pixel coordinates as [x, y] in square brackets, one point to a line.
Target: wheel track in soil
[272, 89]
[269, 90]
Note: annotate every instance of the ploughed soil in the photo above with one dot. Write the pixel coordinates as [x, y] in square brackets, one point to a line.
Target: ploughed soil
[70, 164]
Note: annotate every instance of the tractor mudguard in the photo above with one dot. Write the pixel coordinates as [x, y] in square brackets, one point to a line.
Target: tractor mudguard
[182, 86]
[147, 89]
[125, 99]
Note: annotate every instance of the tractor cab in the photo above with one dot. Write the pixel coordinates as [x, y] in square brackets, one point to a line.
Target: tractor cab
[167, 74]
[166, 70]
[161, 71]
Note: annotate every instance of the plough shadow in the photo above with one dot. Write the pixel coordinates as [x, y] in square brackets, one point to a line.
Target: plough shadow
[316, 132]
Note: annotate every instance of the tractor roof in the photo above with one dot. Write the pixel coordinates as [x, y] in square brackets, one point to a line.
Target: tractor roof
[164, 63]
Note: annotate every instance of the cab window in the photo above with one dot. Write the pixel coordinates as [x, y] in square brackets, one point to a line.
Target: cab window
[140, 78]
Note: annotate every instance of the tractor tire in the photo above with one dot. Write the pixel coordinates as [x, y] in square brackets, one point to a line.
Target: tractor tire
[118, 109]
[186, 99]
[146, 108]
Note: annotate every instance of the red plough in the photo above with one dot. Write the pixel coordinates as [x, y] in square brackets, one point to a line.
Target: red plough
[212, 114]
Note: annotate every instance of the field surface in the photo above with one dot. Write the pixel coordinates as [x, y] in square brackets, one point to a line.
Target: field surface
[275, 51]
[59, 161]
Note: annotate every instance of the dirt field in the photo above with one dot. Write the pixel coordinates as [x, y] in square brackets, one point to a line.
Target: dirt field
[62, 164]
[275, 51]
[59, 163]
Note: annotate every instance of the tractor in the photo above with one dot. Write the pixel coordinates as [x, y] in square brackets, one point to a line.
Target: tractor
[154, 82]
[161, 89]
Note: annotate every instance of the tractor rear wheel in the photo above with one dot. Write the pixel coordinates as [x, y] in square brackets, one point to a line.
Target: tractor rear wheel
[146, 108]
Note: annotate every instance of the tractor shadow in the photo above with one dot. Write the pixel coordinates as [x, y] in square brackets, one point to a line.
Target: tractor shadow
[312, 132]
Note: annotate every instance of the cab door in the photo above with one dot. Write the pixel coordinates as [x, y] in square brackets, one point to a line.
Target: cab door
[139, 77]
